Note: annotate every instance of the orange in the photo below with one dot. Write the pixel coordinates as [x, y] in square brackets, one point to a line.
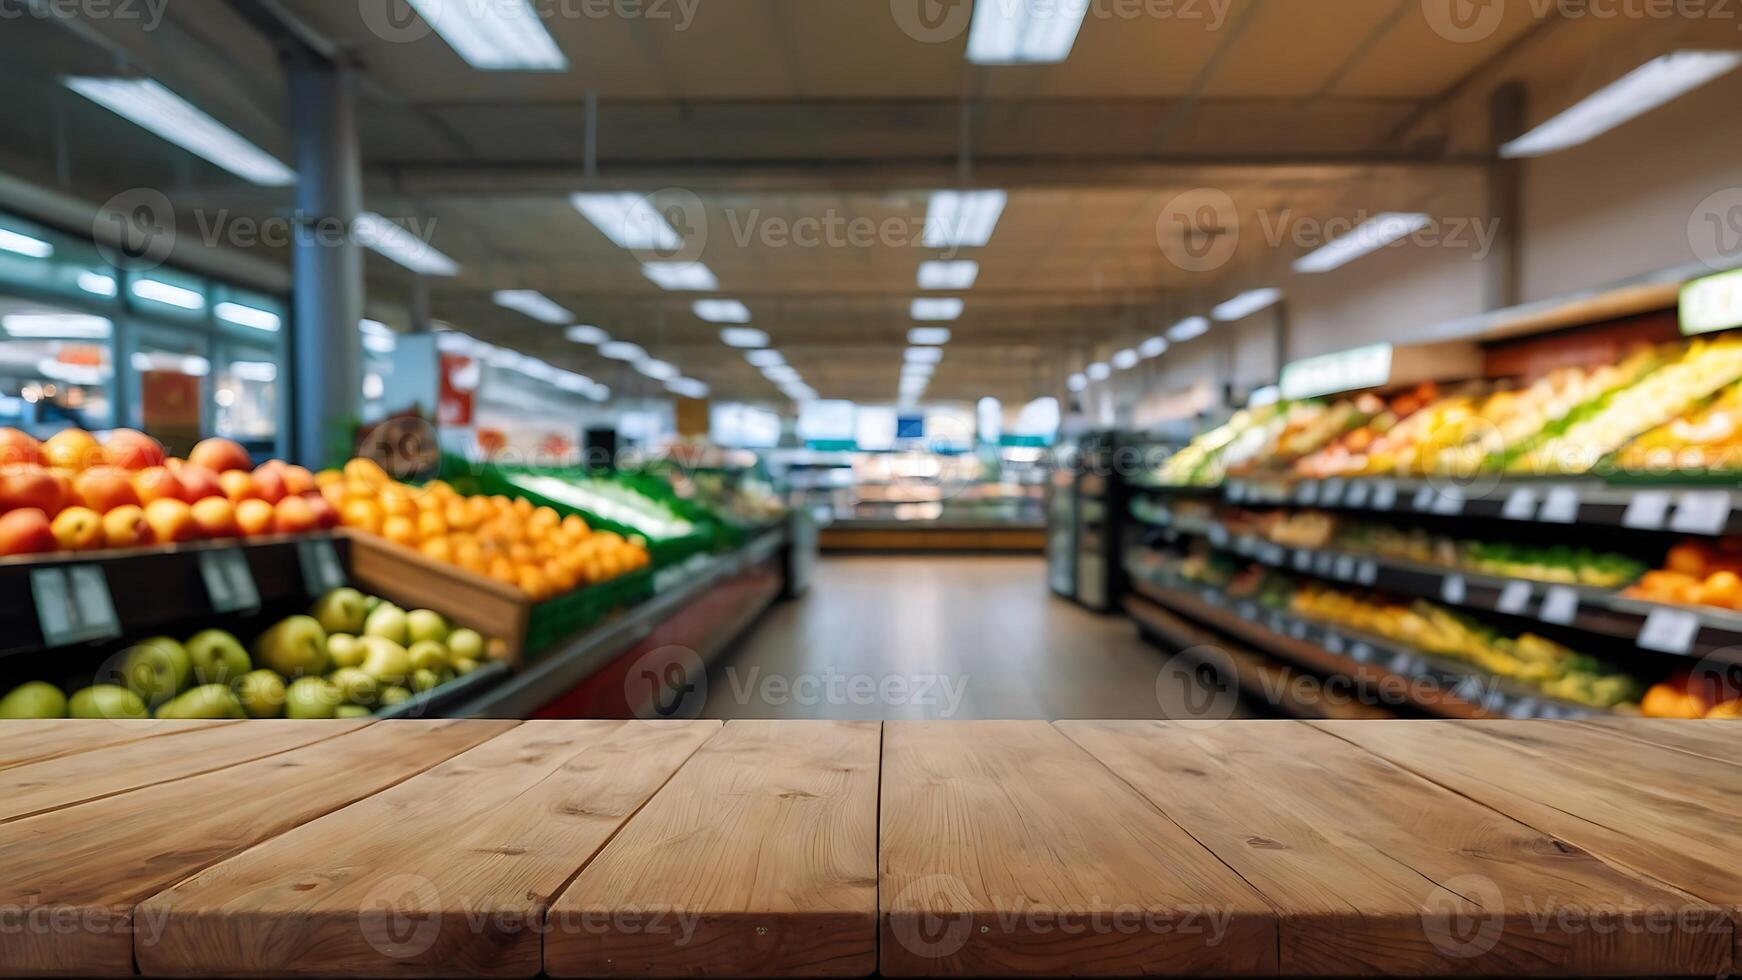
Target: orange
[544, 517]
[400, 530]
[431, 525]
[329, 477]
[558, 575]
[533, 583]
[1688, 558]
[576, 525]
[364, 515]
[358, 490]
[397, 505]
[438, 549]
[502, 570]
[523, 507]
[366, 471]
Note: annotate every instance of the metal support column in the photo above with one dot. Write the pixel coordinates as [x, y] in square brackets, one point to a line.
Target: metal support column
[327, 270]
[1506, 119]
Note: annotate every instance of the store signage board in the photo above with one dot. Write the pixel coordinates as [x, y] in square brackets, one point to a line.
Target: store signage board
[1711, 304]
[1327, 374]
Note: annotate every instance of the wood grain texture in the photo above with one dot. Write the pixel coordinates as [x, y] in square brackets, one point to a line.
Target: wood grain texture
[446, 874]
[34, 740]
[1376, 871]
[759, 858]
[1712, 739]
[79, 872]
[39, 787]
[1008, 850]
[1661, 813]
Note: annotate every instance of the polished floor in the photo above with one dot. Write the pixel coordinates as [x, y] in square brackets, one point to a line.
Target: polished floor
[940, 637]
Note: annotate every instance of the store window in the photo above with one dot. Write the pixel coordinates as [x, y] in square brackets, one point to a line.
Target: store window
[171, 371]
[55, 368]
[246, 397]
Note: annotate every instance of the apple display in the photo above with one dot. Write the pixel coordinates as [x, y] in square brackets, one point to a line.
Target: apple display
[293, 647]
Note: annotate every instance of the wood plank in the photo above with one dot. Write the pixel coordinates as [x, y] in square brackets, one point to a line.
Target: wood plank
[84, 868]
[1711, 739]
[1658, 812]
[1008, 850]
[32, 740]
[1376, 871]
[51, 784]
[759, 858]
[466, 856]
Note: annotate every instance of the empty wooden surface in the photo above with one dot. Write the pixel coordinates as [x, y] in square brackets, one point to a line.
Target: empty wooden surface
[1007, 849]
[758, 859]
[31, 740]
[447, 873]
[1374, 870]
[83, 869]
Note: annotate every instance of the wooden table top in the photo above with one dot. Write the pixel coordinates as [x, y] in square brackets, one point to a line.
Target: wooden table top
[815, 848]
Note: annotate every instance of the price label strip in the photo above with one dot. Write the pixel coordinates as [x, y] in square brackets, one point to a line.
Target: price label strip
[1448, 502]
[322, 572]
[1452, 590]
[1560, 507]
[1701, 512]
[1560, 605]
[73, 605]
[1384, 495]
[1331, 493]
[1514, 598]
[1424, 499]
[1368, 573]
[1307, 493]
[1647, 510]
[1344, 569]
[229, 580]
[1520, 505]
[1356, 496]
[1669, 630]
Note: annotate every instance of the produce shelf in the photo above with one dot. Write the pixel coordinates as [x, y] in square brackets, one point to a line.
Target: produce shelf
[434, 702]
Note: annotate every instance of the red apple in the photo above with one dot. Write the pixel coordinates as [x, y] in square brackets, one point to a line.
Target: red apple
[198, 483]
[66, 492]
[78, 529]
[269, 483]
[158, 483]
[131, 449]
[220, 456]
[298, 480]
[293, 515]
[26, 532]
[19, 447]
[171, 519]
[326, 515]
[24, 487]
[215, 517]
[104, 488]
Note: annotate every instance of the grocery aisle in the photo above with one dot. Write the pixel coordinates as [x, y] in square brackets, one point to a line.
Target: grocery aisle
[961, 637]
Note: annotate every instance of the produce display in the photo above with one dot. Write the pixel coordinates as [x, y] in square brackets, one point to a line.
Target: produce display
[1350, 452]
[1706, 438]
[1691, 695]
[350, 655]
[1697, 573]
[534, 549]
[73, 492]
[610, 500]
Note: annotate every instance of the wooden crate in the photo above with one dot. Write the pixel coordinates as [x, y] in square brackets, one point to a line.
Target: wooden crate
[409, 579]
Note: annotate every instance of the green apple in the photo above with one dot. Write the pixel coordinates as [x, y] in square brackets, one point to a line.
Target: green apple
[106, 701]
[261, 693]
[156, 669]
[428, 655]
[293, 647]
[371, 603]
[34, 699]
[394, 695]
[355, 686]
[465, 644]
[311, 697]
[424, 680]
[385, 660]
[426, 624]
[388, 622]
[341, 611]
[218, 657]
[464, 665]
[344, 650]
[351, 711]
[204, 701]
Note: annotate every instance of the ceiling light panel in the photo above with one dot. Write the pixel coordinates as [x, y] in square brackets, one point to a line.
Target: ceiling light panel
[937, 308]
[923, 355]
[534, 304]
[586, 333]
[745, 338]
[494, 35]
[149, 105]
[1023, 32]
[722, 311]
[1369, 236]
[622, 350]
[1188, 329]
[928, 336]
[1246, 304]
[1658, 81]
[680, 275]
[954, 219]
[629, 220]
[957, 274]
[765, 358]
[393, 241]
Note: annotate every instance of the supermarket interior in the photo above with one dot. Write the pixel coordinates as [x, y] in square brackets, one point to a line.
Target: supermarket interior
[849, 470]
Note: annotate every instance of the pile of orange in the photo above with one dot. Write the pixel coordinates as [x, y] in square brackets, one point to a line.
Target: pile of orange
[505, 538]
[1696, 573]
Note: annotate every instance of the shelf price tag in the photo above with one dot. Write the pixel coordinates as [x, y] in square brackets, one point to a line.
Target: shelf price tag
[1452, 590]
[73, 605]
[322, 571]
[1356, 496]
[1368, 573]
[1334, 642]
[1331, 493]
[1514, 598]
[1218, 536]
[1303, 561]
[1561, 506]
[1384, 495]
[1424, 498]
[1360, 653]
[1560, 605]
[1271, 554]
[1298, 630]
[1236, 491]
[1448, 501]
[229, 580]
[1646, 510]
[1669, 630]
[1520, 505]
[1323, 563]
[1701, 512]
[1307, 493]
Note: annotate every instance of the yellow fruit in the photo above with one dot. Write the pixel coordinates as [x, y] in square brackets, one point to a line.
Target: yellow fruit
[326, 477]
[533, 582]
[438, 549]
[575, 526]
[502, 570]
[366, 471]
[431, 525]
[400, 530]
[364, 515]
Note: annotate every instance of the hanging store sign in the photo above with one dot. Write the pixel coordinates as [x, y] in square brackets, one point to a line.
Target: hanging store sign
[1359, 367]
[1712, 303]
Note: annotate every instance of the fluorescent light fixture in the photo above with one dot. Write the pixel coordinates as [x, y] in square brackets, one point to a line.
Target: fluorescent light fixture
[747, 338]
[1125, 360]
[1267, 395]
[1641, 90]
[534, 304]
[158, 291]
[1369, 236]
[36, 248]
[155, 108]
[191, 364]
[97, 284]
[375, 328]
[393, 241]
[687, 387]
[958, 218]
[378, 336]
[1098, 371]
[1190, 328]
[765, 358]
[56, 326]
[586, 334]
[629, 220]
[498, 35]
[621, 350]
[1023, 32]
[928, 336]
[657, 370]
[780, 374]
[924, 368]
[599, 393]
[248, 316]
[941, 308]
[722, 311]
[1153, 347]
[261, 372]
[374, 387]
[1077, 382]
[680, 275]
[1245, 304]
[923, 355]
[956, 274]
